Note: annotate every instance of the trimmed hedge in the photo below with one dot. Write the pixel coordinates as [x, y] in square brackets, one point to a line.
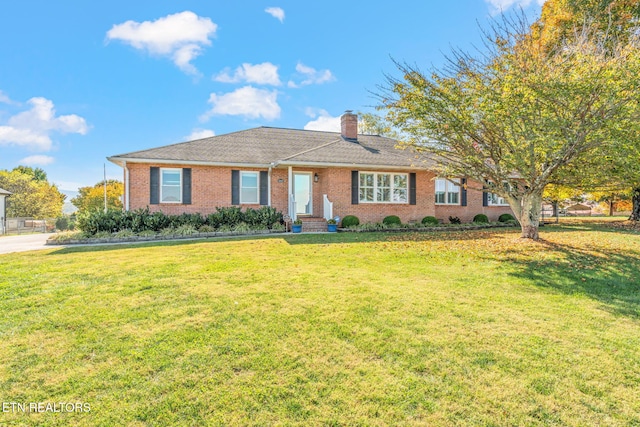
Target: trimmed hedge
[142, 220]
[506, 218]
[481, 219]
[391, 220]
[430, 220]
[350, 221]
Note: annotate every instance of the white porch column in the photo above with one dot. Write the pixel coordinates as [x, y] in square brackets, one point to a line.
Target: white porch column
[292, 211]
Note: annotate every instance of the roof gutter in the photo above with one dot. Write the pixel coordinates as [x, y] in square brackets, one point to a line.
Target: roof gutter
[126, 160]
[346, 165]
[121, 161]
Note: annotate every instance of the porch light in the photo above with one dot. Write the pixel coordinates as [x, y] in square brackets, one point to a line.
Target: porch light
[316, 178]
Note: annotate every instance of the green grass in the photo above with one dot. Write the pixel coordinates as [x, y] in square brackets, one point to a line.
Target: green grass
[371, 329]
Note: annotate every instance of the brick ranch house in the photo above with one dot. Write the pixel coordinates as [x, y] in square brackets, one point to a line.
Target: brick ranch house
[311, 175]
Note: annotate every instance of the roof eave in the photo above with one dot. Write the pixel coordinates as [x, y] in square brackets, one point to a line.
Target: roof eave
[348, 165]
[121, 160]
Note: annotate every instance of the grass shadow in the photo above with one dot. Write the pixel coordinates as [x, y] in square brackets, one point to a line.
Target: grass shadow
[611, 277]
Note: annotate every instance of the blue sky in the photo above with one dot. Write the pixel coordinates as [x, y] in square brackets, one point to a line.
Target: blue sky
[80, 81]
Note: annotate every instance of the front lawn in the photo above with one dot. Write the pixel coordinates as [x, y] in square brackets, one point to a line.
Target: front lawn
[373, 329]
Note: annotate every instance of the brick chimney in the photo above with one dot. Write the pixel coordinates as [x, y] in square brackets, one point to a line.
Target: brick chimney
[349, 122]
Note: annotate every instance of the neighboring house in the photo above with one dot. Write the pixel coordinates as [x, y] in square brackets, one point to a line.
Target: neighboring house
[3, 210]
[300, 173]
[579, 210]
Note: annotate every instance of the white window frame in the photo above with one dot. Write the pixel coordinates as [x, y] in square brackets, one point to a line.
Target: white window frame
[162, 185]
[250, 202]
[499, 201]
[448, 186]
[391, 188]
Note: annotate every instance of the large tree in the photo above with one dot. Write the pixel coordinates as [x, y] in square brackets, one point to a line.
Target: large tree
[514, 116]
[615, 168]
[37, 174]
[33, 196]
[92, 198]
[560, 19]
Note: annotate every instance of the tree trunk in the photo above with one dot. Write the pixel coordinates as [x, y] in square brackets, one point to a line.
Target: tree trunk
[611, 206]
[529, 215]
[556, 211]
[635, 211]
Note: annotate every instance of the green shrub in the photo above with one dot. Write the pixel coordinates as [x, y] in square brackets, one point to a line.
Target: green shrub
[242, 227]
[147, 233]
[391, 220]
[125, 233]
[141, 220]
[262, 218]
[372, 226]
[230, 216]
[157, 222]
[169, 231]
[96, 221]
[69, 235]
[481, 219]
[185, 230]
[62, 223]
[269, 216]
[506, 218]
[194, 220]
[278, 226]
[206, 229]
[454, 220]
[430, 220]
[350, 221]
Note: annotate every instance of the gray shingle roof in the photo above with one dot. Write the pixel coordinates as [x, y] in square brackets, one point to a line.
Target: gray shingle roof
[265, 146]
[5, 192]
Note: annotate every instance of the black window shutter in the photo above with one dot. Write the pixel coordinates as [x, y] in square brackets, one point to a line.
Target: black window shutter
[412, 188]
[264, 188]
[485, 196]
[463, 192]
[154, 186]
[235, 187]
[186, 186]
[355, 196]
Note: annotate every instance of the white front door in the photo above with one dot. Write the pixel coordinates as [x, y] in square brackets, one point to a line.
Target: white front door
[302, 185]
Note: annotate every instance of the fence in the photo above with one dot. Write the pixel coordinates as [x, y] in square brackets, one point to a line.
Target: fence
[29, 225]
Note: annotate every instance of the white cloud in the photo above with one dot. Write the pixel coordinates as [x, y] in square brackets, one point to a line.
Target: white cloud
[180, 36]
[498, 6]
[276, 12]
[37, 160]
[4, 98]
[246, 101]
[324, 122]
[311, 76]
[262, 74]
[32, 128]
[199, 134]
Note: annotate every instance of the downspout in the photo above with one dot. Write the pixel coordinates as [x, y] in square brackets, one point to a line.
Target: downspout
[292, 215]
[126, 186]
[269, 185]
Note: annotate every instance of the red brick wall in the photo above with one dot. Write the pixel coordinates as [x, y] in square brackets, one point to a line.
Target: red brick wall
[211, 188]
[474, 207]
[339, 181]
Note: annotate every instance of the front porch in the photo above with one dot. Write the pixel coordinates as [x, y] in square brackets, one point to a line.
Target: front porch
[306, 200]
[311, 224]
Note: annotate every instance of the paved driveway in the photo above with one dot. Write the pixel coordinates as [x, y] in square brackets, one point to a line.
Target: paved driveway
[26, 242]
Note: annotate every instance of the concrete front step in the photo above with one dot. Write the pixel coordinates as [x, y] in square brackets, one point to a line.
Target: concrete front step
[313, 224]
